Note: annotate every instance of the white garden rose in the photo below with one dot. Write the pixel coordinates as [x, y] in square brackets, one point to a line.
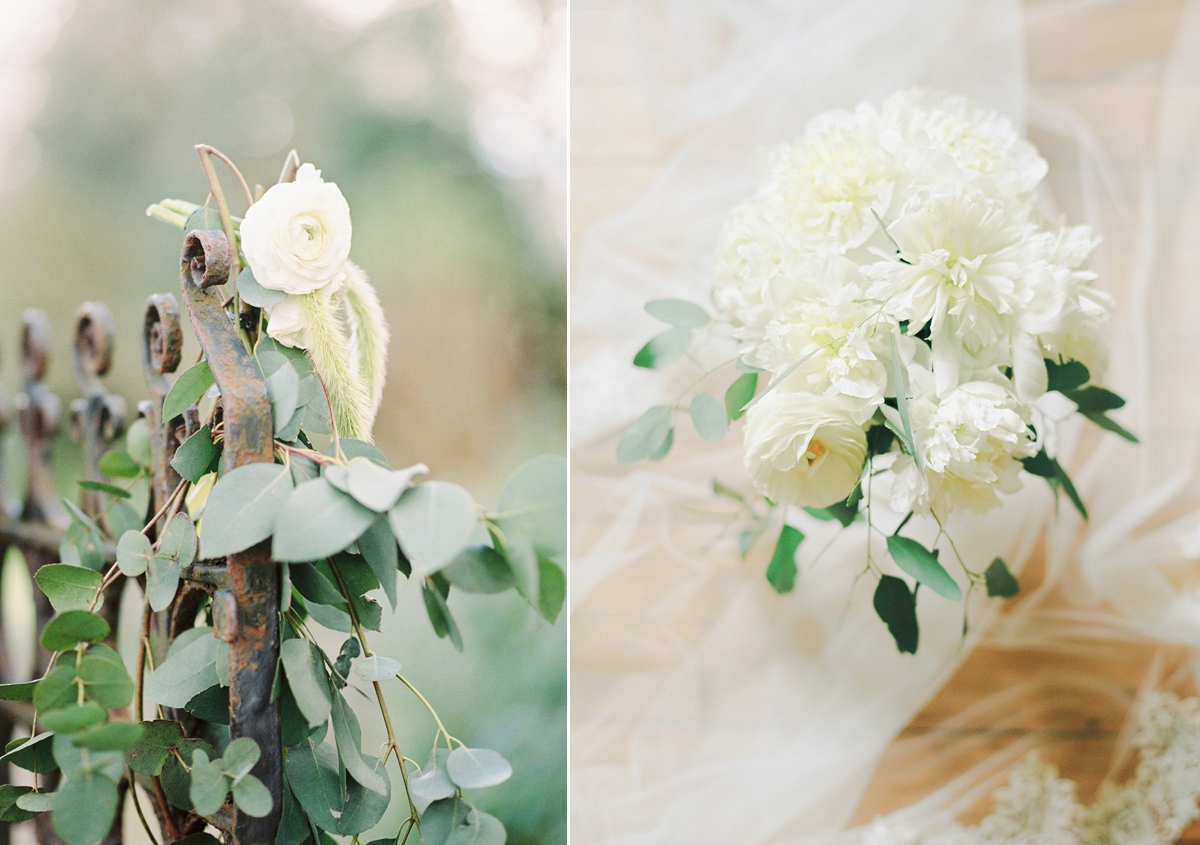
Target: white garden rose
[297, 237]
[285, 322]
[803, 449]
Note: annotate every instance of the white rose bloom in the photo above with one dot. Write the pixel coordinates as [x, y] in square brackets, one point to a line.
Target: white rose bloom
[969, 443]
[835, 180]
[960, 269]
[803, 449]
[938, 137]
[819, 311]
[297, 237]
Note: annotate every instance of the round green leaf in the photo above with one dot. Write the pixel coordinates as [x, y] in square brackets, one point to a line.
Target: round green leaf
[283, 389]
[475, 768]
[209, 786]
[68, 720]
[56, 690]
[432, 784]
[318, 521]
[114, 736]
[479, 828]
[75, 626]
[708, 416]
[371, 485]
[376, 668]
[116, 463]
[9, 810]
[242, 508]
[433, 521]
[479, 569]
[534, 503]
[196, 455]
[37, 802]
[678, 312]
[239, 758]
[138, 443]
[133, 553]
[104, 678]
[897, 607]
[1000, 582]
[190, 668]
[552, 590]
[646, 436]
[179, 540]
[921, 564]
[93, 791]
[68, 587]
[254, 293]
[739, 394]
[162, 581]
[252, 797]
[664, 348]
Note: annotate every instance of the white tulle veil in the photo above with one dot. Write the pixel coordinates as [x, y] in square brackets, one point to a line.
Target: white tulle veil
[707, 709]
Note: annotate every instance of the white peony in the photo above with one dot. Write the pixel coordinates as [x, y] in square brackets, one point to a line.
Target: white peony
[938, 138]
[960, 269]
[751, 250]
[969, 442]
[297, 237]
[803, 449]
[836, 181]
[819, 313]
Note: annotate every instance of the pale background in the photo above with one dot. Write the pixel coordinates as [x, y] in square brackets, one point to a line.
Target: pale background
[618, 149]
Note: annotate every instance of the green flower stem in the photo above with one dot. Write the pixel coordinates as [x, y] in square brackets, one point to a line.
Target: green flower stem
[214, 186]
[328, 350]
[368, 335]
[161, 212]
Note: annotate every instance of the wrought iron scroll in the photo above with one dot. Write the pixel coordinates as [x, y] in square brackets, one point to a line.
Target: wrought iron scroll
[250, 621]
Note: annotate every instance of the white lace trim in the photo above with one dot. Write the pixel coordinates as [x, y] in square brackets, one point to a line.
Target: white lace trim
[1038, 806]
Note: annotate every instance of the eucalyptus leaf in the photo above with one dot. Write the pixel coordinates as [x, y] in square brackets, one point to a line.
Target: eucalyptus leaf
[93, 791]
[189, 669]
[162, 581]
[68, 720]
[476, 768]
[242, 508]
[708, 416]
[897, 607]
[1066, 376]
[645, 436]
[781, 571]
[921, 564]
[433, 783]
[209, 786]
[739, 394]
[534, 503]
[1000, 582]
[113, 736]
[376, 668]
[56, 690]
[352, 448]
[307, 679]
[900, 384]
[523, 562]
[239, 758]
[68, 587]
[192, 383]
[439, 616]
[178, 541]
[441, 818]
[663, 348]
[479, 569]
[479, 828]
[317, 521]
[37, 802]
[348, 734]
[104, 677]
[283, 389]
[138, 443]
[74, 626]
[73, 760]
[116, 463]
[346, 654]
[34, 754]
[252, 797]
[196, 456]
[433, 522]
[378, 547]
[133, 553]
[147, 756]
[679, 313]
[552, 589]
[101, 487]
[373, 486]
[122, 517]
[9, 810]
[255, 294]
[18, 692]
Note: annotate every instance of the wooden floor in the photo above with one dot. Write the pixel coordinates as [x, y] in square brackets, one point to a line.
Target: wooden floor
[615, 153]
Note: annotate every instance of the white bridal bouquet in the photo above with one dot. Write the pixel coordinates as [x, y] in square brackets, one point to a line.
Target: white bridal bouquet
[903, 312]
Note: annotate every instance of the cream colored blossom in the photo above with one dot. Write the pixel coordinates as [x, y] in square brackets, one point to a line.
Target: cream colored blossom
[969, 442]
[942, 138]
[803, 449]
[296, 238]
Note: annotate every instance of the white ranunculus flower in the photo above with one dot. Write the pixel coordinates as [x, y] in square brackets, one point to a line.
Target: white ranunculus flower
[938, 137]
[970, 442]
[836, 181]
[297, 237]
[803, 449]
[285, 322]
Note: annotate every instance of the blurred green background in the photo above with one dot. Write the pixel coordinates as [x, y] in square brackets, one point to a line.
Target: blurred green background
[445, 125]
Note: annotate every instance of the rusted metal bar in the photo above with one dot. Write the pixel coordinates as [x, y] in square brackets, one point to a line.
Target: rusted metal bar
[162, 349]
[252, 603]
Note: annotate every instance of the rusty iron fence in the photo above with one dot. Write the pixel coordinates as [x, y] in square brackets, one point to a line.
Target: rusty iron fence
[241, 591]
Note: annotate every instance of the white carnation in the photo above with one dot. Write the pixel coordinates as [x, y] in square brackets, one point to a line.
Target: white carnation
[970, 442]
[297, 237]
[940, 138]
[803, 449]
